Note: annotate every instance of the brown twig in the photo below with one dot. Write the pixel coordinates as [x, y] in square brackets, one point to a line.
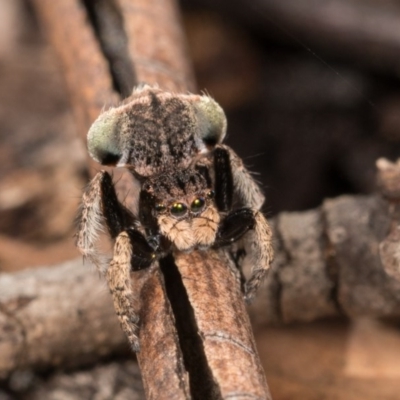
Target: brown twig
[329, 263]
[223, 326]
[113, 380]
[78, 50]
[154, 51]
[44, 314]
[157, 46]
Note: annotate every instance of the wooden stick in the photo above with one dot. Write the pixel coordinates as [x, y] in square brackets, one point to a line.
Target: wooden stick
[223, 326]
[329, 263]
[157, 46]
[55, 316]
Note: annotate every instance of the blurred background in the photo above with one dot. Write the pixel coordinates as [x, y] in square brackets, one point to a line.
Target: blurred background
[312, 93]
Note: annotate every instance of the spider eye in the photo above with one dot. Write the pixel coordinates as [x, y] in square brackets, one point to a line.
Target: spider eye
[178, 209]
[197, 204]
[211, 194]
[160, 207]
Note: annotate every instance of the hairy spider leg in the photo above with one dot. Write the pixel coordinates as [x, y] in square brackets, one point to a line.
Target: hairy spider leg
[131, 250]
[259, 253]
[101, 207]
[244, 184]
[148, 220]
[234, 226]
[91, 223]
[248, 223]
[119, 283]
[223, 180]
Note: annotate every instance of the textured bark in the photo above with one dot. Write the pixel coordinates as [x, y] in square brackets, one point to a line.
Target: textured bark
[329, 264]
[389, 248]
[115, 380]
[149, 47]
[223, 326]
[86, 70]
[45, 314]
[157, 46]
[160, 359]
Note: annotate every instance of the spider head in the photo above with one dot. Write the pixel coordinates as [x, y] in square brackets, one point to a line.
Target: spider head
[181, 207]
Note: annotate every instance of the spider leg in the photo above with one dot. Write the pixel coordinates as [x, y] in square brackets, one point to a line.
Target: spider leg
[143, 254]
[117, 216]
[223, 179]
[118, 279]
[257, 243]
[243, 183]
[234, 226]
[252, 228]
[247, 224]
[100, 206]
[131, 250]
[91, 223]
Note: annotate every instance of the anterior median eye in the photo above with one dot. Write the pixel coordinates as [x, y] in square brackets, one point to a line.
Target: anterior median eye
[160, 207]
[178, 209]
[197, 204]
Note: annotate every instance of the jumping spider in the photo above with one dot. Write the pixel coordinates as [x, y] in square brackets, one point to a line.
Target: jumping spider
[189, 183]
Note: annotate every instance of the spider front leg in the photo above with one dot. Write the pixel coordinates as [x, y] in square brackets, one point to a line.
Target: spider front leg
[100, 206]
[259, 253]
[244, 185]
[251, 228]
[248, 223]
[91, 223]
[131, 251]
